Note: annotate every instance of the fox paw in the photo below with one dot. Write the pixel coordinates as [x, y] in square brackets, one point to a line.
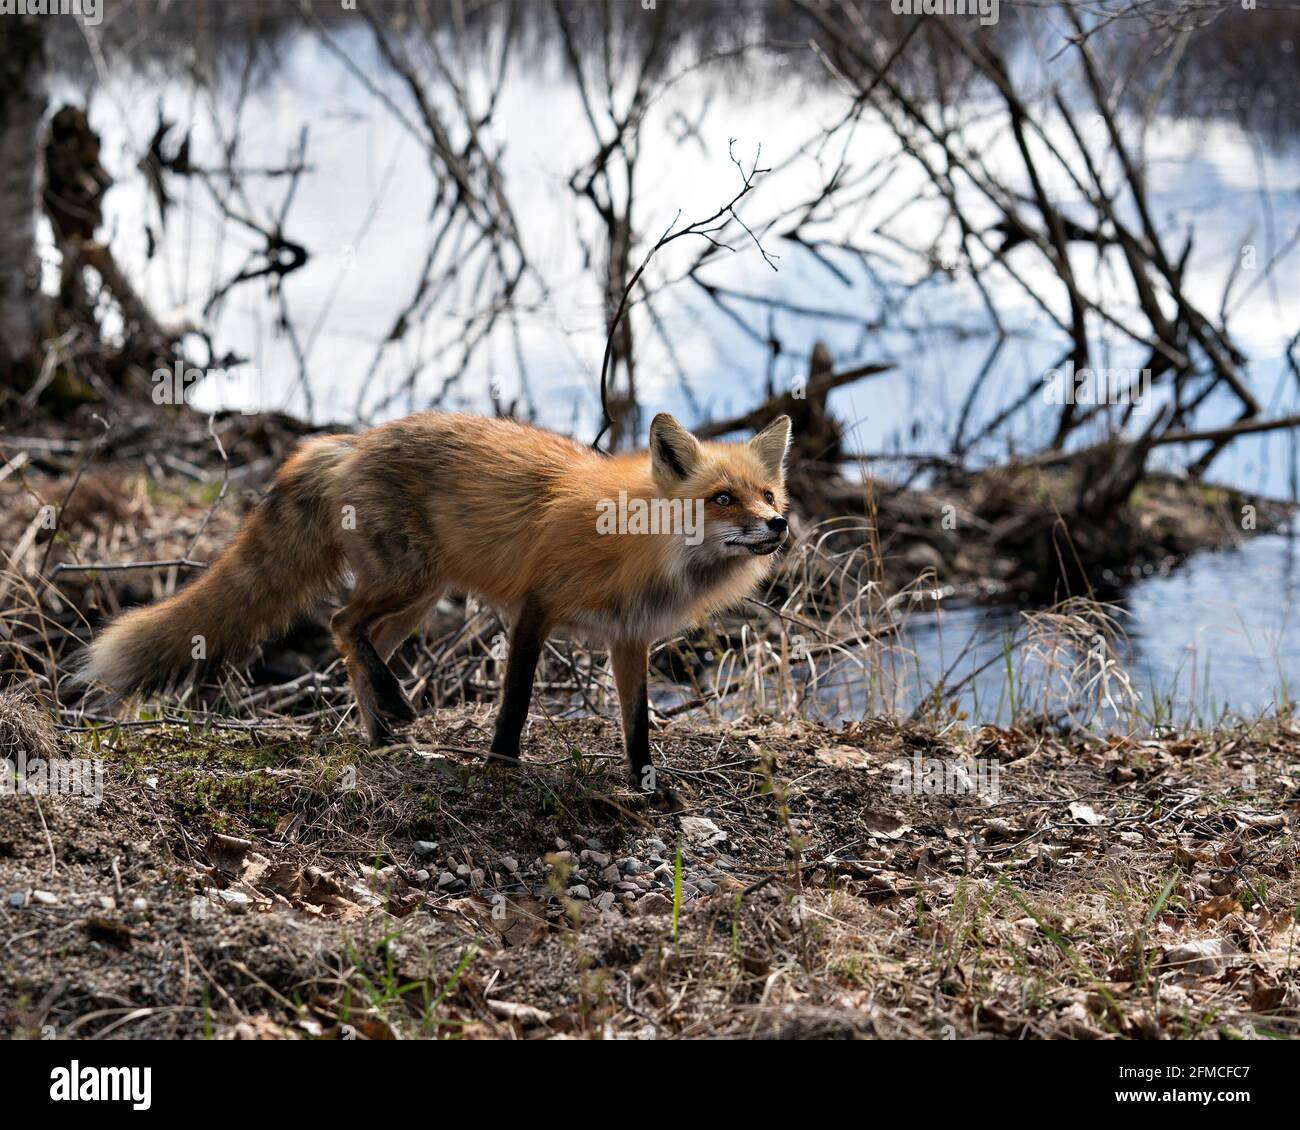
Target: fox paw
[396, 710]
[663, 799]
[380, 729]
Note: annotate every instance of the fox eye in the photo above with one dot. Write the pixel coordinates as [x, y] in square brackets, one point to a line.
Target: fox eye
[722, 498]
[771, 498]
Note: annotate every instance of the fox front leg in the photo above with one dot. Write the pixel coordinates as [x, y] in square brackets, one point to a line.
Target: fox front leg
[517, 691]
[631, 662]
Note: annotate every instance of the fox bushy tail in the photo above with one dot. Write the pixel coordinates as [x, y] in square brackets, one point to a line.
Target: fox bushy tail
[285, 556]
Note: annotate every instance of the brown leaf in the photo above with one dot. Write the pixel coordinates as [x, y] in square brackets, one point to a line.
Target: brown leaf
[884, 825]
[843, 757]
[226, 853]
[525, 1015]
[523, 924]
[1204, 957]
[1214, 909]
[1083, 814]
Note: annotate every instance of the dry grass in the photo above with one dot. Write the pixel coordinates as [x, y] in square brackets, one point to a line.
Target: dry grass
[276, 882]
[25, 729]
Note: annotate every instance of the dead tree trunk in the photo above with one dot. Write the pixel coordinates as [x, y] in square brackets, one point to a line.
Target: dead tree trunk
[22, 105]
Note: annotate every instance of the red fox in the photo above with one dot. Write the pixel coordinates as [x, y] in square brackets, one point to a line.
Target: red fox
[627, 548]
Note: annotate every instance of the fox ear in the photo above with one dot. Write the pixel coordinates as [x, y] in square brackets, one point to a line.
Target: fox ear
[674, 452]
[771, 443]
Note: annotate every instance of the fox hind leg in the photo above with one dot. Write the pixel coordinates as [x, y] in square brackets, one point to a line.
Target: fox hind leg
[379, 695]
[388, 634]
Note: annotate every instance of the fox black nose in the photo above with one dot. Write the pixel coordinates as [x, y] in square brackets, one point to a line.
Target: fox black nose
[778, 525]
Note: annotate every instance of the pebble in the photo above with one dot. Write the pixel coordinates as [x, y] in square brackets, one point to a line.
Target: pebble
[18, 898]
[446, 879]
[139, 904]
[236, 900]
[476, 877]
[706, 886]
[509, 863]
[611, 874]
[654, 904]
[425, 847]
[463, 871]
[422, 876]
[597, 858]
[631, 866]
[579, 891]
[604, 901]
[45, 898]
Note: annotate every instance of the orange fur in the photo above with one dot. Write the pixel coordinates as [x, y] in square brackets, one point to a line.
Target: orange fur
[491, 507]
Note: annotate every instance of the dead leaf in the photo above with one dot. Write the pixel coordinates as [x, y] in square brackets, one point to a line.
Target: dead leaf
[1260, 822]
[521, 923]
[843, 757]
[525, 1014]
[1083, 814]
[884, 825]
[1205, 957]
[1214, 909]
[226, 853]
[702, 832]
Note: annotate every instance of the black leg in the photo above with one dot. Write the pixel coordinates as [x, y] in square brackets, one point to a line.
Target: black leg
[379, 694]
[516, 693]
[389, 696]
[637, 740]
[630, 661]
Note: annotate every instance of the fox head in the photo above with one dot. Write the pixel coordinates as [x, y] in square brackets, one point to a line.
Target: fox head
[740, 485]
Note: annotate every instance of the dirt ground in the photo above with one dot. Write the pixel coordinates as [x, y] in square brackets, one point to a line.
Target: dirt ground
[265, 882]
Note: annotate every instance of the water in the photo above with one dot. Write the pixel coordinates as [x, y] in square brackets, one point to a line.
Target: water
[1214, 633]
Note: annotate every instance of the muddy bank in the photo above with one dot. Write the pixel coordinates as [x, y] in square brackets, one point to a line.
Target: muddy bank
[874, 881]
[1001, 535]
